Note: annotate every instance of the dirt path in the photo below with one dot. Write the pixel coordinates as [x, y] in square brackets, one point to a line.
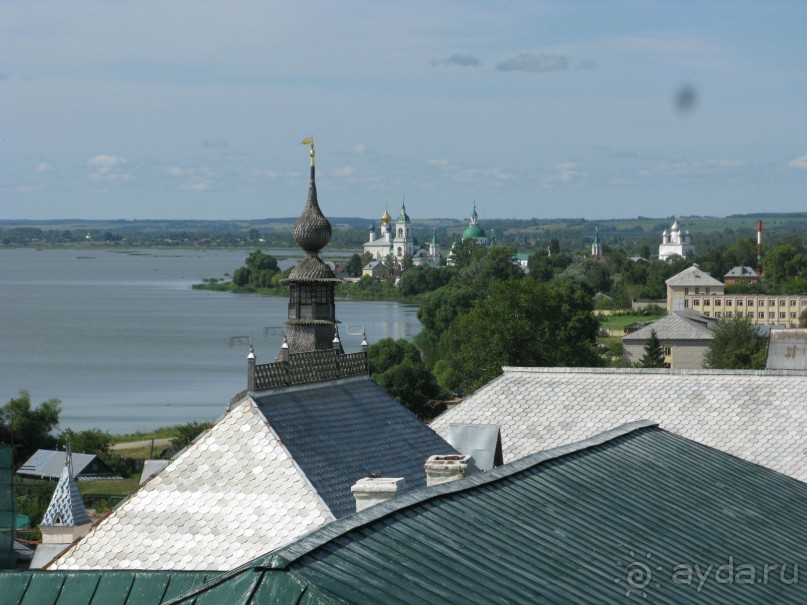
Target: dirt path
[131, 445]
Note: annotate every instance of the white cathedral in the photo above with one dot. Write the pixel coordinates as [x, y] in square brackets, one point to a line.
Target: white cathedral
[675, 243]
[399, 241]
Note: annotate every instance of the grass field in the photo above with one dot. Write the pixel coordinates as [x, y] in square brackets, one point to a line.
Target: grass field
[108, 487]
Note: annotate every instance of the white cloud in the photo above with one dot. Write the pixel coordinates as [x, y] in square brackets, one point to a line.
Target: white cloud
[799, 163]
[360, 149]
[176, 171]
[344, 171]
[44, 167]
[197, 185]
[107, 161]
[698, 168]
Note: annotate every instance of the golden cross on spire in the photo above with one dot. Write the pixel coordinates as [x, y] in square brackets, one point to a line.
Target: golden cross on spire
[309, 141]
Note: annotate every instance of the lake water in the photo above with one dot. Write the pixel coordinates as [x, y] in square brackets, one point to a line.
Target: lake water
[126, 344]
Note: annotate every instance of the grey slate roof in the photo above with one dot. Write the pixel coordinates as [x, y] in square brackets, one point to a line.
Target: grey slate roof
[66, 507]
[738, 271]
[231, 495]
[760, 416]
[678, 325]
[341, 431]
[605, 521]
[49, 463]
[280, 463]
[693, 276]
[787, 349]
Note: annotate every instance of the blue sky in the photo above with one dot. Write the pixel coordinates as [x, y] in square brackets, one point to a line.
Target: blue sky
[195, 109]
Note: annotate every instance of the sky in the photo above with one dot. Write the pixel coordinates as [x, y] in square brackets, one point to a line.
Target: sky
[191, 109]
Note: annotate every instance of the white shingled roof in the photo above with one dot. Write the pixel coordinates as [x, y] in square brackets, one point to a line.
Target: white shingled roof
[233, 494]
[760, 416]
[693, 276]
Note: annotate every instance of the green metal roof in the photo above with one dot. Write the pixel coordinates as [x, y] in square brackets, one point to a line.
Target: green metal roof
[618, 517]
[473, 231]
[97, 587]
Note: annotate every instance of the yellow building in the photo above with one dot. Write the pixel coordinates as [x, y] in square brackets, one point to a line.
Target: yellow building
[698, 291]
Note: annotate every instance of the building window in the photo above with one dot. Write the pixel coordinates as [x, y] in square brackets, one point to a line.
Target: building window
[686, 304]
[772, 315]
[400, 232]
[782, 302]
[782, 315]
[749, 314]
[717, 302]
[729, 302]
[793, 315]
[686, 291]
[706, 302]
[667, 351]
[728, 314]
[718, 314]
[697, 290]
[804, 303]
[696, 302]
[793, 303]
[761, 315]
[740, 303]
[707, 290]
[771, 303]
[707, 314]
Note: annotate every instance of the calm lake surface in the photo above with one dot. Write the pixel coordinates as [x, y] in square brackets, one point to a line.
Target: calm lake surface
[126, 344]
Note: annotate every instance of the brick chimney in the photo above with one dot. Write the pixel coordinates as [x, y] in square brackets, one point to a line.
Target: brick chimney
[374, 490]
[442, 469]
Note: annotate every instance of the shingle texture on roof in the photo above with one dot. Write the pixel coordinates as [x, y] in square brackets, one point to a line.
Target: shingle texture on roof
[606, 521]
[230, 496]
[342, 431]
[759, 416]
[66, 505]
[693, 276]
[678, 325]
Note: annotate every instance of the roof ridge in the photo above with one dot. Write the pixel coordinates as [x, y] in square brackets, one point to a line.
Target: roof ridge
[671, 371]
[286, 555]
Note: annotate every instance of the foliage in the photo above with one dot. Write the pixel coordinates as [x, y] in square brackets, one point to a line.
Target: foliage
[397, 367]
[186, 433]
[803, 319]
[28, 428]
[258, 271]
[737, 345]
[439, 308]
[489, 264]
[33, 498]
[420, 280]
[354, 266]
[653, 353]
[521, 323]
[94, 441]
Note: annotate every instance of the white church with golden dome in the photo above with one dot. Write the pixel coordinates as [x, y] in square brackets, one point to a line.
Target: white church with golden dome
[397, 239]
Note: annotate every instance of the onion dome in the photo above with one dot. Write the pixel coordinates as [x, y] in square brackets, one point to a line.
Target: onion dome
[386, 218]
[312, 231]
[473, 231]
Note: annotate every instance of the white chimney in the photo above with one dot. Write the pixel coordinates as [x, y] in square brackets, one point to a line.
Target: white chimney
[442, 469]
[373, 490]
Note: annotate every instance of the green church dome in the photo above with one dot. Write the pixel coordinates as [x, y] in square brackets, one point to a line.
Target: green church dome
[473, 231]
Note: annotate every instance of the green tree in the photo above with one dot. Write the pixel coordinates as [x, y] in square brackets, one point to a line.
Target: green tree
[397, 367]
[354, 266]
[28, 428]
[653, 353]
[522, 323]
[94, 441]
[420, 280]
[737, 345]
[803, 319]
[186, 433]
